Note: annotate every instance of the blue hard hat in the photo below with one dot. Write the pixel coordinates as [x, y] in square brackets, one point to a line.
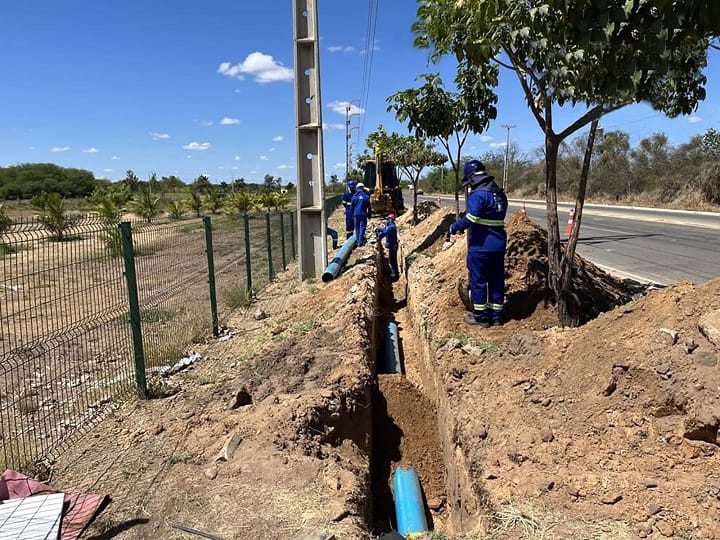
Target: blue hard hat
[352, 184]
[470, 168]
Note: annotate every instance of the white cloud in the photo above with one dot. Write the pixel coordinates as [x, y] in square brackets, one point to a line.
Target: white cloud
[60, 149]
[271, 149]
[263, 158]
[155, 135]
[31, 148]
[261, 66]
[285, 166]
[197, 146]
[374, 47]
[339, 165]
[115, 158]
[333, 127]
[206, 123]
[189, 156]
[236, 91]
[237, 158]
[279, 138]
[341, 48]
[226, 121]
[497, 145]
[91, 150]
[486, 138]
[235, 168]
[340, 107]
[695, 119]
[107, 170]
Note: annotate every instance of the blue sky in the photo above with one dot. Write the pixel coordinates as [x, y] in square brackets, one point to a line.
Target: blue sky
[190, 88]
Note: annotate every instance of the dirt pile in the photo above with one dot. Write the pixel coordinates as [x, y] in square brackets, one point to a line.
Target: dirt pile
[607, 429]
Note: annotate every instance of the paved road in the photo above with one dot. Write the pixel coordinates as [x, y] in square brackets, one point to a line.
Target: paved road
[651, 245]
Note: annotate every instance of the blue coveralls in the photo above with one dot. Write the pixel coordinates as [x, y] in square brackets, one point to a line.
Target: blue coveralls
[360, 212]
[347, 203]
[389, 232]
[332, 233]
[486, 209]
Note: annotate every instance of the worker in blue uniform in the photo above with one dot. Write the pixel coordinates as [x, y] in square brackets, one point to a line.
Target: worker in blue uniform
[486, 209]
[360, 212]
[332, 233]
[347, 203]
[389, 232]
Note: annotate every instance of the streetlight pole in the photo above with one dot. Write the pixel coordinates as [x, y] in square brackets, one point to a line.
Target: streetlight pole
[348, 118]
[507, 155]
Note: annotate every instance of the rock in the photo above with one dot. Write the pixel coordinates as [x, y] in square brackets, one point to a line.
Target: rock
[709, 325]
[546, 402]
[689, 346]
[650, 483]
[704, 357]
[211, 473]
[654, 509]
[278, 330]
[663, 369]
[259, 315]
[611, 498]
[665, 528]
[229, 447]
[338, 512]
[547, 436]
[610, 387]
[667, 335]
[242, 399]
[452, 343]
[435, 503]
[546, 485]
[644, 529]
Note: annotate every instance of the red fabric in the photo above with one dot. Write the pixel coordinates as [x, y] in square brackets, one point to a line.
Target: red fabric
[78, 510]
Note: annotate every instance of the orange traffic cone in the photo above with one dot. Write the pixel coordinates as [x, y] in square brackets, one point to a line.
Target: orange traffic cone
[570, 223]
[439, 201]
[523, 209]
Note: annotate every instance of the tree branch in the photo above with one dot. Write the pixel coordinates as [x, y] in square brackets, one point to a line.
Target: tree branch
[593, 114]
[524, 85]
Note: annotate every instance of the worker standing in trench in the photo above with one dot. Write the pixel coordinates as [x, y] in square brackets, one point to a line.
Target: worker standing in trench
[486, 209]
[389, 232]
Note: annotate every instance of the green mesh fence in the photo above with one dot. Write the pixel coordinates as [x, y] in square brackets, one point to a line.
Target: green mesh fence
[64, 336]
[70, 326]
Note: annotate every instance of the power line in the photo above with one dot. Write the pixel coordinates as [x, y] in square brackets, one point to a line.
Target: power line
[373, 9]
[507, 154]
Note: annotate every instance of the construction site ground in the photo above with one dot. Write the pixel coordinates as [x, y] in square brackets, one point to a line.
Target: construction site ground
[286, 430]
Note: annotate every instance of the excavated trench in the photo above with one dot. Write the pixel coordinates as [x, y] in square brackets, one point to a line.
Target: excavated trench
[406, 432]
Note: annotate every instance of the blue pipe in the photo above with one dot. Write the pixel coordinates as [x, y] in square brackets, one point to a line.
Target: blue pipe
[333, 269]
[391, 358]
[409, 507]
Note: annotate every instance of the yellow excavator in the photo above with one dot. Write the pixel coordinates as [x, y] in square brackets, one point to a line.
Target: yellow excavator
[386, 193]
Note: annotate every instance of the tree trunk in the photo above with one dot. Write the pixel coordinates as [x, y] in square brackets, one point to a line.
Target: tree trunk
[566, 273]
[415, 218]
[457, 193]
[554, 249]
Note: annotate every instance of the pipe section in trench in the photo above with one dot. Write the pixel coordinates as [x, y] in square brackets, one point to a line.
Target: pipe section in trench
[391, 350]
[333, 269]
[409, 507]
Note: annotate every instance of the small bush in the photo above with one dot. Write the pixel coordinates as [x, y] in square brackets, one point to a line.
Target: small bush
[710, 183]
[235, 296]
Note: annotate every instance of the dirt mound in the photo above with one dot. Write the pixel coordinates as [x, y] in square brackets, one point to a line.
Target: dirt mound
[604, 431]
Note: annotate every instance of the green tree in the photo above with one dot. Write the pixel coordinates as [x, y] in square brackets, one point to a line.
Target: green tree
[412, 155]
[601, 56]
[146, 204]
[267, 199]
[431, 112]
[194, 202]
[175, 209]
[270, 183]
[132, 182]
[213, 200]
[238, 204]
[201, 184]
[711, 144]
[52, 214]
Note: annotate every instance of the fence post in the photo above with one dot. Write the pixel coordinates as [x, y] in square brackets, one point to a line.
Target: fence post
[292, 235]
[131, 279]
[248, 261]
[282, 240]
[211, 274]
[271, 272]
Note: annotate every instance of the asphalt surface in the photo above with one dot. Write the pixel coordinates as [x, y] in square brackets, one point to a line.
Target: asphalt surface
[647, 244]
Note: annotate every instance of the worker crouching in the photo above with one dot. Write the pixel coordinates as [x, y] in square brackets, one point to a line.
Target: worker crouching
[389, 232]
[485, 217]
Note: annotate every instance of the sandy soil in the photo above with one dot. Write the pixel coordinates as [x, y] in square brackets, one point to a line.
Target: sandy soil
[608, 430]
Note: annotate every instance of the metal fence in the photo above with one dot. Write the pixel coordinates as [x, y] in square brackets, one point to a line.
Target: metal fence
[84, 320]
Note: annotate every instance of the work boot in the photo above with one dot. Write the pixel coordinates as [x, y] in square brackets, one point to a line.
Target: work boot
[469, 319]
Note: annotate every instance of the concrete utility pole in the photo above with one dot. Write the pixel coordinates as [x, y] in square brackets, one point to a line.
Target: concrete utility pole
[348, 131]
[507, 154]
[312, 227]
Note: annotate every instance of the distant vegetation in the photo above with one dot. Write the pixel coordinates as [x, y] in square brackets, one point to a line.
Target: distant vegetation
[30, 179]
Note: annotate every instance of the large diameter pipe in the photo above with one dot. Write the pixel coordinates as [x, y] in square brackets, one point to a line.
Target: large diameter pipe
[391, 357]
[333, 269]
[409, 507]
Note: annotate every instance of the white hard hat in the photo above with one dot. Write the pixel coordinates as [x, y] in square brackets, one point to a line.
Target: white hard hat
[360, 185]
